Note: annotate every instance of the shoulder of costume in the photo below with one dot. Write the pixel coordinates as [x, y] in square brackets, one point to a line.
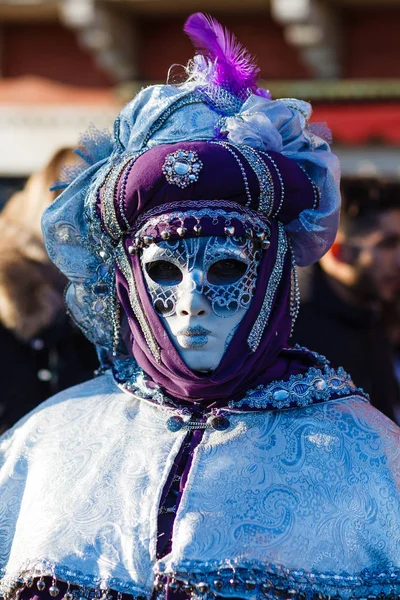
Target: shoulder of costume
[63, 406]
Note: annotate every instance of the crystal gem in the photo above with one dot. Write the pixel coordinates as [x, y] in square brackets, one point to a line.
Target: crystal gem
[54, 591]
[281, 395]
[165, 235]
[266, 244]
[29, 582]
[218, 583]
[234, 583]
[181, 168]
[219, 423]
[131, 249]
[336, 382]
[187, 587]
[202, 587]
[101, 289]
[174, 423]
[41, 585]
[99, 306]
[69, 596]
[181, 231]
[320, 385]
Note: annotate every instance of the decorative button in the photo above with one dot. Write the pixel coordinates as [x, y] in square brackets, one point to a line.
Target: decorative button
[175, 423]
[219, 423]
[182, 168]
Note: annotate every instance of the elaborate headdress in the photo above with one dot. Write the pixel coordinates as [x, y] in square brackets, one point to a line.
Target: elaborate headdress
[211, 156]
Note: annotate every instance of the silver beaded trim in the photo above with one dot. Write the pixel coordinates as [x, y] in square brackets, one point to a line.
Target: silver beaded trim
[282, 187]
[215, 214]
[205, 206]
[265, 181]
[125, 268]
[316, 190]
[313, 386]
[294, 290]
[261, 322]
[109, 215]
[122, 193]
[241, 167]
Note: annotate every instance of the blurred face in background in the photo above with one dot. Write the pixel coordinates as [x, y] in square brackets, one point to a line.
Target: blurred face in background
[376, 259]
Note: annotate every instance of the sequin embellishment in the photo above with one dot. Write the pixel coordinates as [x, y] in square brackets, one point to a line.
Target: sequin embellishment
[182, 168]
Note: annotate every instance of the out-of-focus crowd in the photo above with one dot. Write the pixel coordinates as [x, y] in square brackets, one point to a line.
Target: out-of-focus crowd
[350, 300]
[41, 350]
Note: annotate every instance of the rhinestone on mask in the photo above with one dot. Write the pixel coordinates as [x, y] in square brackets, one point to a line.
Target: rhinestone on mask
[182, 168]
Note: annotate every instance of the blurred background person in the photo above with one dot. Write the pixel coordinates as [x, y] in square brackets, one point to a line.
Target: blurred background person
[41, 351]
[350, 298]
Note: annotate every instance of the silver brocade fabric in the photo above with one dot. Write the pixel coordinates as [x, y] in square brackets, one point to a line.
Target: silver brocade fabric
[314, 489]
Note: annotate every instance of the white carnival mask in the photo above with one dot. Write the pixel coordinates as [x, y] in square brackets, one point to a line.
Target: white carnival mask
[201, 288]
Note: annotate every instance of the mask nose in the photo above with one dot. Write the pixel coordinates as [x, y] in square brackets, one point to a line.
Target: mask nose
[192, 302]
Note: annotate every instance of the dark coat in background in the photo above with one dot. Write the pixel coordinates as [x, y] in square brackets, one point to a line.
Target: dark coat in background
[349, 336]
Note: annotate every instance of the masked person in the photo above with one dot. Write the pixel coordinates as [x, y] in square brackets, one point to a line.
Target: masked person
[212, 459]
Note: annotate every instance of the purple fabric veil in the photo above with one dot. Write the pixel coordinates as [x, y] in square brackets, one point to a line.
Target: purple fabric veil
[141, 192]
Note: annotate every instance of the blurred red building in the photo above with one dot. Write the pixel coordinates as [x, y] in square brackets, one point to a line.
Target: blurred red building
[66, 63]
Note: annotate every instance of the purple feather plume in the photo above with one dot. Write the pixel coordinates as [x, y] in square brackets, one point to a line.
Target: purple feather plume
[234, 69]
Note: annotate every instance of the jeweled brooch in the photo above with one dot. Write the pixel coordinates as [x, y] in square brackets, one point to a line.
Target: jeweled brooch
[182, 168]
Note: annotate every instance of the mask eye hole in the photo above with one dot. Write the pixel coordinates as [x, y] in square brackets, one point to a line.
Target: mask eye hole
[164, 272]
[226, 271]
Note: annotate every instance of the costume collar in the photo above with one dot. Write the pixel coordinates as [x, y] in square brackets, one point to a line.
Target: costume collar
[319, 383]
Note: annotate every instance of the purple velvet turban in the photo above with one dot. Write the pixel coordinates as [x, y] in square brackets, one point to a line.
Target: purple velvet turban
[154, 197]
